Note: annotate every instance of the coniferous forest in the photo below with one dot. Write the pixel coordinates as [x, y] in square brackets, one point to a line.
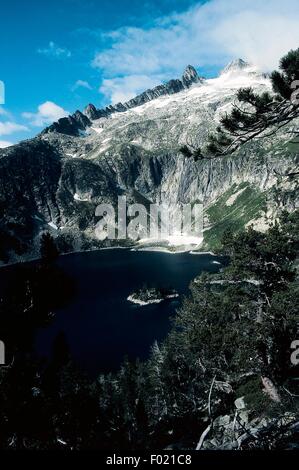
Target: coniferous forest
[231, 339]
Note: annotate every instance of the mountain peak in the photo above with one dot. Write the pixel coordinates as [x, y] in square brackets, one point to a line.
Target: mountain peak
[190, 71]
[235, 66]
[90, 111]
[73, 125]
[190, 76]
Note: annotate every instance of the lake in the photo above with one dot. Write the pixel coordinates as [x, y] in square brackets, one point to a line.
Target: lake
[100, 325]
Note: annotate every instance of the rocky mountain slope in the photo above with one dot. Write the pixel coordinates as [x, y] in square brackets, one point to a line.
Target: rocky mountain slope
[56, 180]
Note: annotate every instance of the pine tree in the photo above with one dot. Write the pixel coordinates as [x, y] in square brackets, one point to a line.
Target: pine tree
[255, 115]
[156, 396]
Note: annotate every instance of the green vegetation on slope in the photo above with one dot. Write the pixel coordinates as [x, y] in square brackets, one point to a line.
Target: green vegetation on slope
[248, 205]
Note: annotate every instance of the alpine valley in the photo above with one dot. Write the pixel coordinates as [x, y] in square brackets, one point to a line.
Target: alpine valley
[55, 181]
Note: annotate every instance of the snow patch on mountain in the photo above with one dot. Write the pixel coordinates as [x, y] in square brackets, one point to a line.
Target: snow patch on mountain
[186, 110]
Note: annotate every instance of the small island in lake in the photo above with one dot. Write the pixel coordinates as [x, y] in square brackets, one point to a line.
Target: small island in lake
[152, 295]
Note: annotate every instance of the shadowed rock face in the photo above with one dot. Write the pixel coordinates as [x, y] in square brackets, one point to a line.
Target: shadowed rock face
[70, 125]
[60, 176]
[190, 76]
[91, 111]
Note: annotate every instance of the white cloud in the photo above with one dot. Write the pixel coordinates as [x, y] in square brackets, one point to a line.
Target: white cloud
[53, 50]
[81, 84]
[261, 35]
[208, 34]
[122, 89]
[8, 127]
[5, 143]
[47, 113]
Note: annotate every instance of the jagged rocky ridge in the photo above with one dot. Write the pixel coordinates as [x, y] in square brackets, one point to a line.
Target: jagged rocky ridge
[72, 125]
[56, 180]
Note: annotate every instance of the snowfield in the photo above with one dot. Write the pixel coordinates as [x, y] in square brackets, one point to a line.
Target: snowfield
[167, 120]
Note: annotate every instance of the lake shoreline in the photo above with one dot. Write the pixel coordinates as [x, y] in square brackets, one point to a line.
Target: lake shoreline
[154, 249]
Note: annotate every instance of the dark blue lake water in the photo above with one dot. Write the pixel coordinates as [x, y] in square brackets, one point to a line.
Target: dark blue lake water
[100, 325]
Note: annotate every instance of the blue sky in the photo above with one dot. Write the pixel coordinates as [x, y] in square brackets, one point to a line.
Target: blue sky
[59, 55]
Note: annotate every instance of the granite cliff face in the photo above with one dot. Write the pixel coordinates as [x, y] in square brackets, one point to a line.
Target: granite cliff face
[56, 180]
